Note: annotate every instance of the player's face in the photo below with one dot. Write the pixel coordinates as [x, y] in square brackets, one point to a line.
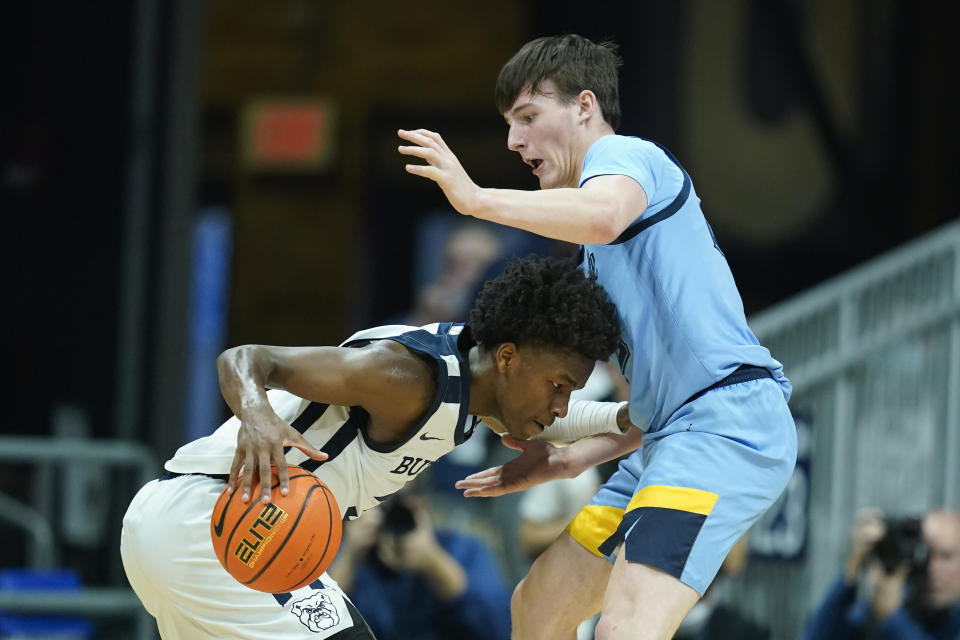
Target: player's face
[535, 384]
[543, 131]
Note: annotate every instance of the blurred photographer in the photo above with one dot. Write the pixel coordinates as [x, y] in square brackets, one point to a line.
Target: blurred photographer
[912, 572]
[411, 581]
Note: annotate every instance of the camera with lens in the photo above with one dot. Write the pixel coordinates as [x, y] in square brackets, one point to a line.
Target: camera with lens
[398, 518]
[902, 544]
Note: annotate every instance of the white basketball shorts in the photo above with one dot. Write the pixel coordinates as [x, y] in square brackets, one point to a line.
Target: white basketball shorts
[169, 559]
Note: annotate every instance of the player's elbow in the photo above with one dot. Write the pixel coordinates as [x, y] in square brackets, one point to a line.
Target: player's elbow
[243, 357]
[605, 226]
[226, 357]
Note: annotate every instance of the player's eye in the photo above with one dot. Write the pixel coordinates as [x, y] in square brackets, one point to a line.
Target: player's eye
[528, 118]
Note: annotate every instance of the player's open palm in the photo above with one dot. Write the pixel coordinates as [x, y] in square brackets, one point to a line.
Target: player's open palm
[537, 463]
[442, 167]
[260, 442]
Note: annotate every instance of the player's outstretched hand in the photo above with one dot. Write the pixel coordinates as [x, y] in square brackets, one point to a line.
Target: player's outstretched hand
[538, 462]
[442, 167]
[260, 443]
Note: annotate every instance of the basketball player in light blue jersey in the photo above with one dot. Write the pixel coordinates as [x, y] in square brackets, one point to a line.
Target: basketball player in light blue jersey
[719, 443]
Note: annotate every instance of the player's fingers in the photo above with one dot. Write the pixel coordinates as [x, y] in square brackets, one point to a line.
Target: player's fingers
[423, 170]
[479, 476]
[246, 479]
[419, 152]
[308, 450]
[417, 137]
[488, 492]
[265, 477]
[235, 471]
[485, 483]
[283, 473]
[432, 135]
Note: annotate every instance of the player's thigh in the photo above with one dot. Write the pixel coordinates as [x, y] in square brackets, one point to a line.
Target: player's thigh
[564, 586]
[643, 603]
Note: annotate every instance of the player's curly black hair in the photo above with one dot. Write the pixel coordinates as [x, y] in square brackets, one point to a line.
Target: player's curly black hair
[546, 301]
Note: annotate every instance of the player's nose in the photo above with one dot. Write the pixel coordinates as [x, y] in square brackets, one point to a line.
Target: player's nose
[514, 140]
[560, 406]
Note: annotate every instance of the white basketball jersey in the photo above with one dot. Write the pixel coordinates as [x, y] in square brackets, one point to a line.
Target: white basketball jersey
[360, 472]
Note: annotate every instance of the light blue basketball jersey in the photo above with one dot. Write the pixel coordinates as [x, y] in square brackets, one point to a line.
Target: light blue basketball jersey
[682, 322]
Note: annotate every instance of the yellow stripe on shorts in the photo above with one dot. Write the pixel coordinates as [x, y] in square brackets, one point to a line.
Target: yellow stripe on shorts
[679, 498]
[593, 525]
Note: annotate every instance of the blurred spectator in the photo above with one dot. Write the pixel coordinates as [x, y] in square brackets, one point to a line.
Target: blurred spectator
[547, 508]
[468, 252]
[713, 620]
[912, 571]
[412, 582]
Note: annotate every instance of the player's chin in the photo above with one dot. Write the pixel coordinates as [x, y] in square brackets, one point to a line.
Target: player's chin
[530, 430]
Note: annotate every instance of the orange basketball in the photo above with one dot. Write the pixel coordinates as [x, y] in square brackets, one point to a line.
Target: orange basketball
[281, 545]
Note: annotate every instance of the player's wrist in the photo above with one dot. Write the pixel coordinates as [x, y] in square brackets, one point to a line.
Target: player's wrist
[479, 203]
[567, 463]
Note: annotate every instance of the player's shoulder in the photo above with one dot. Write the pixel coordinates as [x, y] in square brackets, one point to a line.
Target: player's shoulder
[616, 142]
[612, 152]
[399, 368]
[397, 385]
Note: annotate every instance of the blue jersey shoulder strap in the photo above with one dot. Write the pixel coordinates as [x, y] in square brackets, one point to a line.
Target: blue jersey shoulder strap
[666, 212]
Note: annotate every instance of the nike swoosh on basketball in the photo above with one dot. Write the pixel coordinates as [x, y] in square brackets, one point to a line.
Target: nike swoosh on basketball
[424, 436]
[218, 526]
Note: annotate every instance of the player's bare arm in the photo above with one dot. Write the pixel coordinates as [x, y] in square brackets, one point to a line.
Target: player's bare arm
[540, 461]
[595, 214]
[391, 384]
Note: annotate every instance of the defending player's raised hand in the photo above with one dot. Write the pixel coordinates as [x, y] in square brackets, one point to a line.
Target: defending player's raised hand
[537, 463]
[442, 167]
[260, 442]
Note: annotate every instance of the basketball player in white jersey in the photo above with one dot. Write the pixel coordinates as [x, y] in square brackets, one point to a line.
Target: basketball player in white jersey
[366, 417]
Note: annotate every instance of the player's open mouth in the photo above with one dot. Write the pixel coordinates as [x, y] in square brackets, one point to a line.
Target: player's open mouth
[536, 163]
[539, 426]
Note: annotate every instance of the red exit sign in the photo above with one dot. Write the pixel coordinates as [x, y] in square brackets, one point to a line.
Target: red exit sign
[288, 134]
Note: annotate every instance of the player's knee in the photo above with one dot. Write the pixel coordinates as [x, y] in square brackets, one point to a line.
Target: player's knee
[607, 627]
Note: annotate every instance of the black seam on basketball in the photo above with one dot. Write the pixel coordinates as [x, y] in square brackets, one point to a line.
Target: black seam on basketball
[326, 490]
[303, 507]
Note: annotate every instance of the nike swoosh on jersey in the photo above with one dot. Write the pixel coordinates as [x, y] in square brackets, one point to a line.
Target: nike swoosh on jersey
[424, 436]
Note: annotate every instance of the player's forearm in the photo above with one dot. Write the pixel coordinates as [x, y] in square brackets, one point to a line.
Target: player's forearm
[573, 215]
[586, 418]
[590, 452]
[242, 372]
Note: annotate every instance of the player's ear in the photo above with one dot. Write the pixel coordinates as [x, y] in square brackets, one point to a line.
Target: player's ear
[505, 356]
[587, 104]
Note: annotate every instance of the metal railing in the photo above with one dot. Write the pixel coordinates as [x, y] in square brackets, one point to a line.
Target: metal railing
[874, 357]
[56, 452]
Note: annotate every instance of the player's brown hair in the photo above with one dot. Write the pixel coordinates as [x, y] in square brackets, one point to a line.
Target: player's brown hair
[573, 63]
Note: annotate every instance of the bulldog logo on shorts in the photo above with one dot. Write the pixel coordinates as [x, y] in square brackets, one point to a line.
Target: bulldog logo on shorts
[317, 613]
